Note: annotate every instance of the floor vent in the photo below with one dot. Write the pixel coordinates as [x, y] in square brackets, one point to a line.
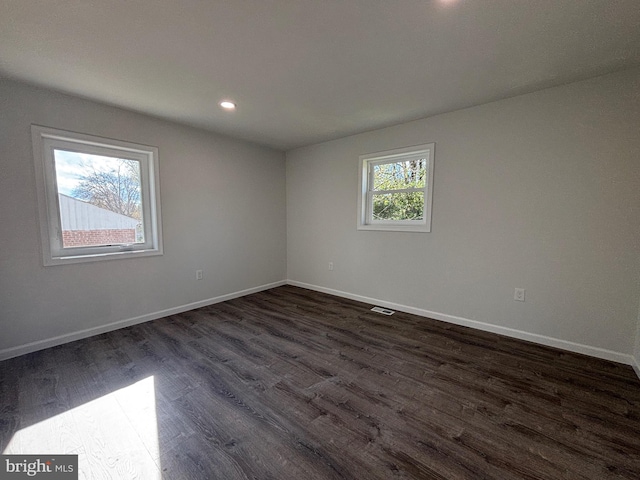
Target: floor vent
[384, 311]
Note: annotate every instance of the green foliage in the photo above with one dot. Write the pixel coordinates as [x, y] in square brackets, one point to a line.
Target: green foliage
[398, 206]
[391, 204]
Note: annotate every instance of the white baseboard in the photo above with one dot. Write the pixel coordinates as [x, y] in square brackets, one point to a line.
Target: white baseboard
[509, 332]
[635, 363]
[89, 332]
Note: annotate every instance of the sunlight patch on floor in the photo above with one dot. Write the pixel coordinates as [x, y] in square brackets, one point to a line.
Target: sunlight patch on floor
[114, 436]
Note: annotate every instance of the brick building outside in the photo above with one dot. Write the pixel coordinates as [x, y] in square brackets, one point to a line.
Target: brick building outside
[84, 224]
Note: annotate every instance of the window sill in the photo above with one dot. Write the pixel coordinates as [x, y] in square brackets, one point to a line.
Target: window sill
[396, 228]
[99, 257]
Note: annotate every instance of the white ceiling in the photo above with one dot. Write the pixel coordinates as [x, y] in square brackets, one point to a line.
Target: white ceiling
[305, 71]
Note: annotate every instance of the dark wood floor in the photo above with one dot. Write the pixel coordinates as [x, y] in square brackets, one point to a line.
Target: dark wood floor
[294, 384]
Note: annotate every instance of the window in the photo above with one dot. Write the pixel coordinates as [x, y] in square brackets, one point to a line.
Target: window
[98, 198]
[396, 189]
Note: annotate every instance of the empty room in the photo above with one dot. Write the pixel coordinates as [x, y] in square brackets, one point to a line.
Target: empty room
[338, 239]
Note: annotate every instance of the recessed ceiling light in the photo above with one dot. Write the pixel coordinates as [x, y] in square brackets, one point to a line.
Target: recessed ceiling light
[227, 105]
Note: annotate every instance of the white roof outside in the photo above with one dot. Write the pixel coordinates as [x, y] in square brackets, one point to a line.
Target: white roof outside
[78, 215]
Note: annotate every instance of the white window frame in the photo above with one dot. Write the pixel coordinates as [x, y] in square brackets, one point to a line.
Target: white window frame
[45, 140]
[365, 195]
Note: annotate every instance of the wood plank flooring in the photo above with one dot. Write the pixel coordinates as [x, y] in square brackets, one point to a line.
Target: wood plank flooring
[294, 384]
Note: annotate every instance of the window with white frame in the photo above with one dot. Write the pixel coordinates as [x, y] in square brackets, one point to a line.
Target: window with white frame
[98, 198]
[396, 189]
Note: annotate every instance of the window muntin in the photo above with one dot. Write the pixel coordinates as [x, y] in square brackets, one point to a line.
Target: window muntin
[396, 189]
[98, 198]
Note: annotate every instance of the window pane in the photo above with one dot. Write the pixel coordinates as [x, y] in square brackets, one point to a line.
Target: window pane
[99, 199]
[398, 206]
[400, 175]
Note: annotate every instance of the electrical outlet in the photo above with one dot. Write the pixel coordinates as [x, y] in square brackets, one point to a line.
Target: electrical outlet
[198, 274]
[519, 295]
[331, 266]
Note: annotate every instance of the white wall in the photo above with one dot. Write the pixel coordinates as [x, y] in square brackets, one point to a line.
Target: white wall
[540, 191]
[223, 211]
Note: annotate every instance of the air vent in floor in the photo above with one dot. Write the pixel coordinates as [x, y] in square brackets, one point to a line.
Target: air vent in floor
[384, 311]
